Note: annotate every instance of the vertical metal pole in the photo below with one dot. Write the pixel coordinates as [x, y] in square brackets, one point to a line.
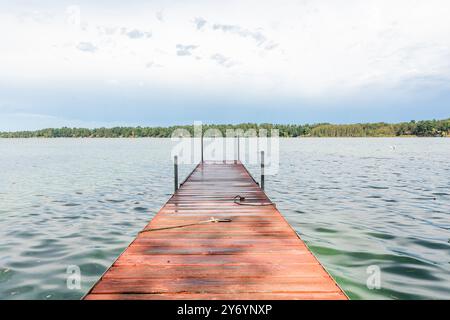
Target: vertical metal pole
[175, 167]
[239, 150]
[262, 170]
[202, 145]
[234, 149]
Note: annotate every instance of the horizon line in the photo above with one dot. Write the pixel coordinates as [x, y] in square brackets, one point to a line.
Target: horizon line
[227, 124]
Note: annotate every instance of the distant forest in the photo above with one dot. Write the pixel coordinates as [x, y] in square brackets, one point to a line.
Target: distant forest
[427, 128]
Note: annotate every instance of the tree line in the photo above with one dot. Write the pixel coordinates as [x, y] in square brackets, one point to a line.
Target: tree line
[426, 128]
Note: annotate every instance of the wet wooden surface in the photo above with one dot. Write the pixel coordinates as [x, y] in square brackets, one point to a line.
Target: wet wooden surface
[256, 256]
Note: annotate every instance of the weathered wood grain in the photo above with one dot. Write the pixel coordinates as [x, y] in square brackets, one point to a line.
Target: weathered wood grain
[255, 256]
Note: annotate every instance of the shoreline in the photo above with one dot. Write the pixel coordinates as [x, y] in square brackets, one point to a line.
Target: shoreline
[421, 128]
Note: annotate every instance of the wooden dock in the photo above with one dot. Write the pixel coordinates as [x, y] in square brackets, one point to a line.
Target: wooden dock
[255, 256]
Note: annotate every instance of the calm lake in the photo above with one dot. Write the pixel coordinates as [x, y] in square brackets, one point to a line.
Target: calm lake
[357, 203]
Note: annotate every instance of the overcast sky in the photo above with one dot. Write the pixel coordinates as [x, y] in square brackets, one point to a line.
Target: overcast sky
[172, 62]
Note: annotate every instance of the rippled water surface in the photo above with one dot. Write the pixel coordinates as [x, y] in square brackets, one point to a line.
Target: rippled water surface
[356, 202]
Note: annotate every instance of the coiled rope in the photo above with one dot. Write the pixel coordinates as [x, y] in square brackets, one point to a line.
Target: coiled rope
[239, 200]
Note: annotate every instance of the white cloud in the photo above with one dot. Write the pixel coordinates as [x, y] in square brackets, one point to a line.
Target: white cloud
[86, 46]
[199, 22]
[185, 50]
[296, 48]
[137, 34]
[256, 35]
[222, 60]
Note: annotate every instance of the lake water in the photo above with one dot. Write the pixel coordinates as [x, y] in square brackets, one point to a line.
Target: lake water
[381, 202]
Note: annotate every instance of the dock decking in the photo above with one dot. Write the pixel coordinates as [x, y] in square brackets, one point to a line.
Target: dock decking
[256, 256]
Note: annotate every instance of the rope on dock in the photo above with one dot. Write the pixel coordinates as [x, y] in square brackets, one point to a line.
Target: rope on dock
[238, 200]
[212, 220]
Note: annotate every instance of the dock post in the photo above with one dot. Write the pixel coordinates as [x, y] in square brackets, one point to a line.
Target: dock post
[175, 167]
[236, 154]
[238, 149]
[202, 145]
[262, 170]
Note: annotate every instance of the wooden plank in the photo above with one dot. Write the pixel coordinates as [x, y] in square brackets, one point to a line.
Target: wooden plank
[214, 285]
[222, 296]
[222, 271]
[256, 256]
[208, 260]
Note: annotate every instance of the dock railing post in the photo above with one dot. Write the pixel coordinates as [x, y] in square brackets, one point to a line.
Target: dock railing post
[175, 168]
[201, 139]
[262, 170]
[236, 154]
[238, 149]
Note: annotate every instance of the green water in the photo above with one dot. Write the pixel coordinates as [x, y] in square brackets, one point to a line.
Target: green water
[356, 202]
